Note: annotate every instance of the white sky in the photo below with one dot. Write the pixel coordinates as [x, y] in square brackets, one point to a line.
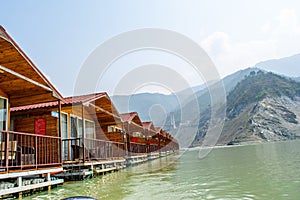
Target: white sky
[59, 35]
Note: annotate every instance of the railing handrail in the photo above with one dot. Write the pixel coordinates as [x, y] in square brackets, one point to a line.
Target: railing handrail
[30, 134]
[137, 143]
[98, 140]
[32, 151]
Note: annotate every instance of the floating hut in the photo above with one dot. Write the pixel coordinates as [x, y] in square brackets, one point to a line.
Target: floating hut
[27, 159]
[152, 143]
[92, 135]
[135, 138]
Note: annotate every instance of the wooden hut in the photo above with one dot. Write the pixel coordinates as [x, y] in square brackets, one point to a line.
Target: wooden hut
[135, 136]
[164, 141]
[86, 125]
[150, 131]
[21, 83]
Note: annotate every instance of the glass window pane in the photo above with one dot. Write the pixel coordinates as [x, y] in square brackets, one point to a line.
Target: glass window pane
[89, 129]
[79, 128]
[64, 125]
[3, 114]
[73, 126]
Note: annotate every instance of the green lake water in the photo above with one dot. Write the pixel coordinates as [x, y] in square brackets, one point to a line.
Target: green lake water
[264, 171]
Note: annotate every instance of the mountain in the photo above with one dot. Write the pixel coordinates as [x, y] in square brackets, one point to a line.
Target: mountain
[288, 66]
[157, 107]
[262, 107]
[203, 97]
[150, 106]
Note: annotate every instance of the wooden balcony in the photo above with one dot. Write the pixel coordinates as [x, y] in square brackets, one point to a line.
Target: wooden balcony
[74, 150]
[22, 151]
[137, 148]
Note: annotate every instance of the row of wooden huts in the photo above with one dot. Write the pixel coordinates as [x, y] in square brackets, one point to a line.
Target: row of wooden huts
[42, 133]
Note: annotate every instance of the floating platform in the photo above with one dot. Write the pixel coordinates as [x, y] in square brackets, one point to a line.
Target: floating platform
[136, 159]
[18, 182]
[153, 155]
[80, 171]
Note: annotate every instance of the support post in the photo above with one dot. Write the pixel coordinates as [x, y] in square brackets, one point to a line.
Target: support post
[19, 183]
[6, 149]
[159, 146]
[128, 141]
[60, 130]
[83, 142]
[48, 178]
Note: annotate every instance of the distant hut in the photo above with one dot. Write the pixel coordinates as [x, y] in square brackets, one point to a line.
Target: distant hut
[152, 146]
[135, 136]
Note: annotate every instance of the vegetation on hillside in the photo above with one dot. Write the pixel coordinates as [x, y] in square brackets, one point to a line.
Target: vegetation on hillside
[258, 85]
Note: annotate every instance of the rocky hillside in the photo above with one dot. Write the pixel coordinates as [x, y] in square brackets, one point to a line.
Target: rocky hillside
[262, 107]
[204, 97]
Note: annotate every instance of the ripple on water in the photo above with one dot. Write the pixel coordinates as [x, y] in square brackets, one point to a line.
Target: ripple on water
[269, 171]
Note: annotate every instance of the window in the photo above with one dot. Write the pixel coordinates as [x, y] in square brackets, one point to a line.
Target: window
[79, 121]
[89, 129]
[64, 130]
[110, 129]
[76, 128]
[136, 134]
[3, 114]
[73, 126]
[64, 125]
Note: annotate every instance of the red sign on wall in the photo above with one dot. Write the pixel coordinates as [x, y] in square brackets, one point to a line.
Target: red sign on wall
[134, 139]
[40, 126]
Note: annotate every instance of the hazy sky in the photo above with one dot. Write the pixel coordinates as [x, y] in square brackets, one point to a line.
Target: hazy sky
[59, 35]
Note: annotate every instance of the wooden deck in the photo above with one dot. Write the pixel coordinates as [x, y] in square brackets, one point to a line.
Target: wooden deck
[26, 180]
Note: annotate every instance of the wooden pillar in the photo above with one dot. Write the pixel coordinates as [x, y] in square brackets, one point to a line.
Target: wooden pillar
[8, 116]
[60, 131]
[59, 119]
[19, 183]
[124, 138]
[48, 178]
[83, 142]
[128, 140]
[6, 149]
[159, 143]
[146, 141]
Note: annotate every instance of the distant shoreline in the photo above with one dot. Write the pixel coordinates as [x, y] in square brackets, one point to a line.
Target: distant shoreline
[234, 145]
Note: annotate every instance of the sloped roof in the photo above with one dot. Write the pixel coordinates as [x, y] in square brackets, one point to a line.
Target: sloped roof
[65, 101]
[158, 129]
[20, 79]
[148, 125]
[131, 117]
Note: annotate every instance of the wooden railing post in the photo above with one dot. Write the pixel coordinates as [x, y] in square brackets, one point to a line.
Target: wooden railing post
[36, 151]
[6, 150]
[112, 149]
[60, 132]
[82, 115]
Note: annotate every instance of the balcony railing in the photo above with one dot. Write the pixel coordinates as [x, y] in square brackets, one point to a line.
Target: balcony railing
[153, 148]
[137, 148]
[25, 150]
[91, 149]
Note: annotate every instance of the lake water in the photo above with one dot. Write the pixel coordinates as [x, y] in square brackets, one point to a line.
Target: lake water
[264, 171]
